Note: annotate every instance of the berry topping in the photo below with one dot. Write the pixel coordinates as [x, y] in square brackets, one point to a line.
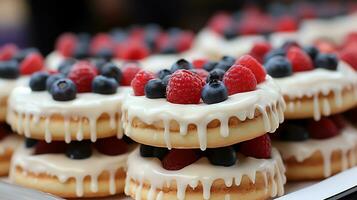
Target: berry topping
[214, 92]
[79, 150]
[54, 147]
[259, 147]
[163, 73]
[184, 87]
[29, 142]
[299, 59]
[63, 90]
[9, 70]
[339, 121]
[51, 79]
[66, 66]
[139, 82]
[273, 53]
[216, 74]
[104, 85]
[229, 59]
[239, 79]
[223, 156]
[279, 67]
[201, 72]
[155, 89]
[66, 44]
[82, 74]
[311, 51]
[251, 63]
[322, 129]
[177, 159]
[132, 51]
[104, 53]
[293, 132]
[110, 70]
[209, 66]
[150, 151]
[38, 81]
[260, 49]
[181, 64]
[7, 51]
[22, 54]
[223, 65]
[111, 146]
[81, 51]
[199, 63]
[129, 72]
[33, 62]
[326, 61]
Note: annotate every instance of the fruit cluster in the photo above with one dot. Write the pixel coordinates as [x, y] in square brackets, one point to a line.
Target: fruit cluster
[213, 82]
[177, 159]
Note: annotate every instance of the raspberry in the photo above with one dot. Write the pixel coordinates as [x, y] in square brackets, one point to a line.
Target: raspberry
[56, 147]
[325, 46]
[349, 55]
[132, 50]
[299, 59]
[251, 63]
[128, 73]
[339, 121]
[287, 24]
[139, 82]
[111, 146]
[8, 51]
[33, 62]
[66, 44]
[201, 72]
[219, 22]
[82, 74]
[100, 41]
[259, 147]
[199, 63]
[239, 79]
[184, 41]
[259, 50]
[184, 87]
[177, 159]
[322, 129]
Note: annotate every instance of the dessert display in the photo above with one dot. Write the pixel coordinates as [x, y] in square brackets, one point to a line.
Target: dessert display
[74, 145]
[203, 132]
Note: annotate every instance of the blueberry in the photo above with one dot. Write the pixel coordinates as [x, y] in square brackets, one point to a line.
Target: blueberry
[230, 32]
[273, 53]
[29, 142]
[216, 74]
[223, 65]
[38, 81]
[173, 32]
[21, 55]
[155, 89]
[63, 90]
[79, 150]
[105, 53]
[279, 67]
[104, 85]
[160, 152]
[81, 51]
[146, 150]
[118, 35]
[112, 71]
[214, 92]
[181, 64]
[99, 63]
[228, 59]
[223, 156]
[163, 73]
[169, 49]
[326, 61]
[209, 66]
[165, 81]
[84, 38]
[293, 132]
[51, 79]
[311, 51]
[9, 70]
[66, 66]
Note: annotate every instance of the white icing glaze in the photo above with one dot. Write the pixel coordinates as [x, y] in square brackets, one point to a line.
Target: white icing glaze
[11, 141]
[319, 81]
[150, 169]
[89, 105]
[277, 39]
[154, 63]
[241, 105]
[53, 60]
[63, 168]
[7, 85]
[302, 150]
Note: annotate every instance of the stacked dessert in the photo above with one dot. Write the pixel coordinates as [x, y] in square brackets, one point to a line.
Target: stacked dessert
[15, 68]
[203, 132]
[72, 125]
[315, 143]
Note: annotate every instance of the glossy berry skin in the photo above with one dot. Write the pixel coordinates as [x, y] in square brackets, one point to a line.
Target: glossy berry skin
[311, 51]
[209, 66]
[278, 67]
[29, 142]
[177, 159]
[9, 70]
[326, 61]
[63, 90]
[160, 152]
[216, 74]
[214, 92]
[259, 147]
[139, 82]
[222, 156]
[181, 64]
[104, 85]
[294, 132]
[22, 54]
[300, 61]
[38, 81]
[163, 73]
[155, 89]
[55, 147]
[228, 59]
[239, 79]
[251, 63]
[128, 73]
[105, 53]
[79, 150]
[323, 129]
[66, 66]
[110, 70]
[82, 74]
[33, 62]
[51, 79]
[165, 81]
[111, 146]
[273, 53]
[223, 65]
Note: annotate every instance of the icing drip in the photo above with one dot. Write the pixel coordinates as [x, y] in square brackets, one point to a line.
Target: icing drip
[242, 105]
[9, 142]
[37, 105]
[202, 172]
[344, 142]
[63, 168]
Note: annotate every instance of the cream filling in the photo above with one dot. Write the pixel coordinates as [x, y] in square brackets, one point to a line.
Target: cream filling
[7, 85]
[302, 150]
[242, 105]
[11, 141]
[202, 172]
[64, 168]
[37, 105]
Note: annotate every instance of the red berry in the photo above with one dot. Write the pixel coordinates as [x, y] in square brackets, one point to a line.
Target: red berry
[184, 87]
[349, 55]
[66, 44]
[202, 73]
[259, 147]
[82, 74]
[43, 147]
[100, 41]
[322, 129]
[251, 63]
[220, 22]
[339, 121]
[132, 50]
[198, 63]
[8, 51]
[287, 24]
[299, 59]
[128, 73]
[184, 41]
[32, 63]
[259, 50]
[139, 82]
[111, 146]
[177, 159]
[239, 79]
[325, 46]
